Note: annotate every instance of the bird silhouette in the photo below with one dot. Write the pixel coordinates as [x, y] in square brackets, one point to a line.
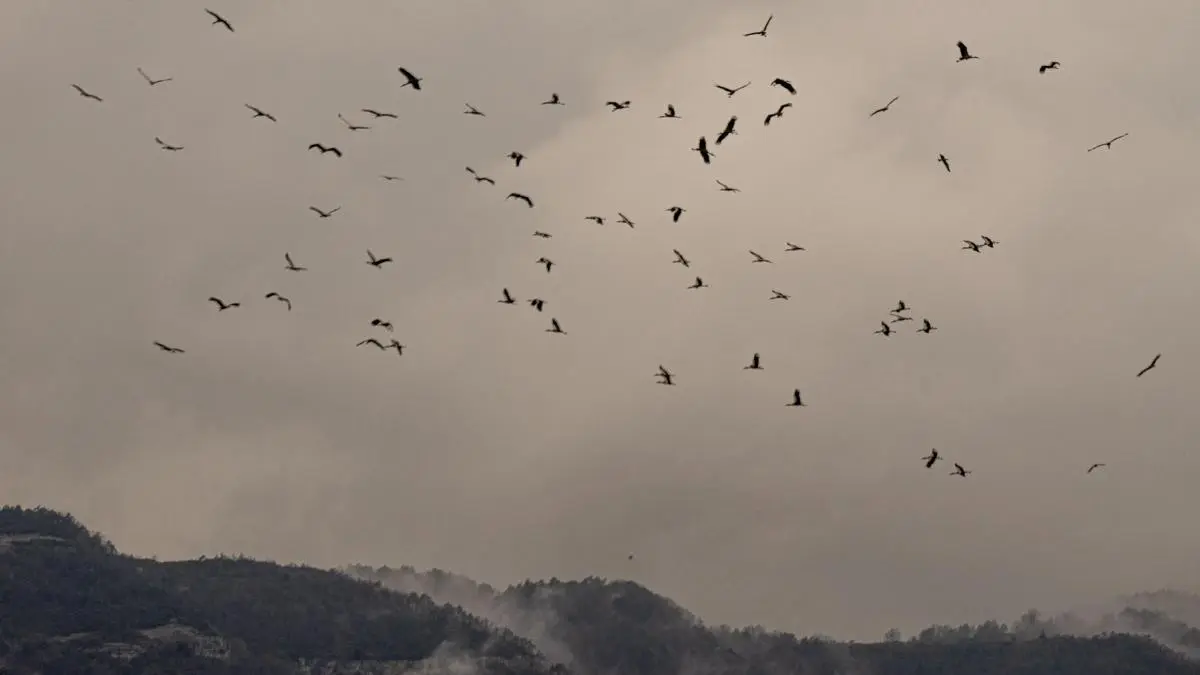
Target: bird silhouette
[885, 331]
[377, 114]
[617, 105]
[151, 81]
[371, 341]
[796, 400]
[728, 131]
[884, 108]
[926, 327]
[970, 246]
[351, 126]
[758, 258]
[324, 149]
[324, 214]
[479, 178]
[521, 197]
[260, 113]
[932, 457]
[762, 32]
[167, 146]
[390, 178]
[545, 261]
[1053, 65]
[793, 247]
[680, 259]
[1107, 144]
[168, 348]
[1153, 363]
[472, 110]
[702, 148]
[516, 157]
[945, 162]
[784, 84]
[665, 376]
[624, 219]
[386, 325]
[291, 265]
[698, 283]
[988, 241]
[87, 94]
[554, 100]
[776, 295]
[543, 235]
[537, 303]
[670, 114]
[508, 298]
[555, 328]
[376, 262]
[222, 306]
[599, 220]
[280, 298]
[755, 363]
[777, 113]
[959, 471]
[730, 91]
[726, 188]
[676, 213]
[1095, 466]
[218, 19]
[963, 54]
[410, 80]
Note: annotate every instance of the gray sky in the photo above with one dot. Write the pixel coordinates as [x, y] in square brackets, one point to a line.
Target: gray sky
[502, 452]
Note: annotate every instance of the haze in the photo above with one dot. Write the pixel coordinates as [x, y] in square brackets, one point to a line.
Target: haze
[502, 452]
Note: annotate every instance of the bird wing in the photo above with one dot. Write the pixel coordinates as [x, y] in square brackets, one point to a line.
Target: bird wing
[962, 49]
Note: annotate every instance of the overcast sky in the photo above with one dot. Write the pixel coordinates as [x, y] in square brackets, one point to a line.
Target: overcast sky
[497, 450]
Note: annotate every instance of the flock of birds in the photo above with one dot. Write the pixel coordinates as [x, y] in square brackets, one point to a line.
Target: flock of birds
[897, 316]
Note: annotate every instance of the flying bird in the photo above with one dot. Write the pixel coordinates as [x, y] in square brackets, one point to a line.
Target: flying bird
[218, 19]
[1053, 65]
[599, 220]
[699, 283]
[376, 262]
[793, 247]
[988, 241]
[555, 328]
[885, 108]
[670, 114]
[1095, 466]
[537, 303]
[167, 348]
[728, 130]
[167, 146]
[1108, 144]
[758, 258]
[763, 31]
[151, 81]
[665, 375]
[963, 54]
[776, 295]
[898, 318]
[324, 214]
[885, 331]
[480, 179]
[86, 94]
[543, 235]
[371, 341]
[545, 261]
[516, 157]
[410, 79]
[260, 113]
[726, 188]
[676, 213]
[927, 327]
[945, 162]
[777, 113]
[508, 298]
[554, 100]
[291, 265]
[324, 149]
[518, 195]
[280, 298]
[380, 323]
[680, 259]
[350, 126]
[390, 178]
[376, 114]
[784, 84]
[932, 457]
[755, 363]
[617, 105]
[624, 219]
[702, 148]
[796, 401]
[472, 110]
[970, 245]
[222, 306]
[1150, 367]
[900, 307]
[730, 91]
[959, 471]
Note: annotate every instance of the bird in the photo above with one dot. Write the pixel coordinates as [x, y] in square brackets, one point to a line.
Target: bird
[376, 262]
[926, 327]
[599, 220]
[699, 283]
[666, 375]
[617, 105]
[702, 148]
[959, 470]
[508, 298]
[784, 84]
[218, 19]
[545, 261]
[377, 114]
[793, 247]
[624, 219]
[796, 401]
[524, 198]
[555, 328]
[543, 235]
[932, 457]
[1108, 144]
[1095, 466]
[900, 307]
[260, 113]
[755, 363]
[1053, 65]
[324, 214]
[776, 295]
[728, 130]
[676, 213]
[390, 178]
[350, 126]
[670, 114]
[762, 32]
[1153, 363]
[730, 91]
[151, 81]
[885, 331]
[898, 318]
[758, 258]
[222, 306]
[324, 149]
[726, 188]
[410, 79]
[87, 94]
[516, 157]
[167, 348]
[480, 179]
[963, 54]
[472, 110]
[885, 108]
[386, 325]
[554, 100]
[166, 146]
[537, 303]
[680, 259]
[280, 298]
[371, 341]
[988, 241]
[777, 113]
[970, 245]
[945, 162]
[291, 265]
